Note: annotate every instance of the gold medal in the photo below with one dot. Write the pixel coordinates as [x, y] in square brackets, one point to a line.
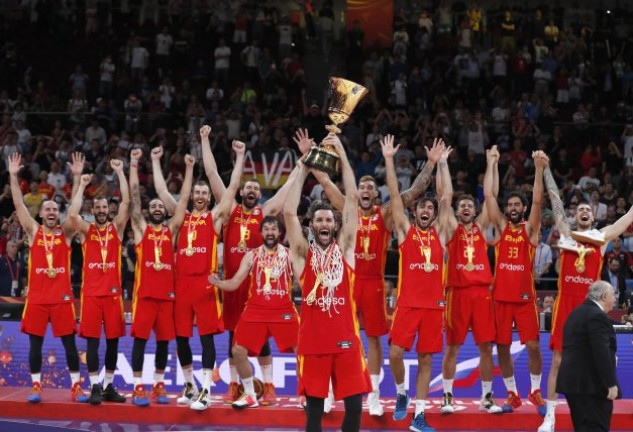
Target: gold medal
[366, 248]
[104, 257]
[189, 251]
[158, 250]
[580, 267]
[580, 261]
[104, 245]
[425, 250]
[51, 273]
[268, 288]
[158, 266]
[469, 266]
[241, 246]
[428, 267]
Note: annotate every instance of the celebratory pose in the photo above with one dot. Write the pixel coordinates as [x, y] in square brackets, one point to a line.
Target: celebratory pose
[329, 342]
[513, 290]
[196, 259]
[101, 296]
[468, 299]
[154, 292]
[49, 295]
[580, 266]
[420, 304]
[372, 239]
[269, 309]
[240, 234]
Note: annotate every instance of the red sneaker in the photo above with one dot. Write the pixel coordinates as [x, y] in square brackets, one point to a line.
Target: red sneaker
[513, 402]
[269, 397]
[246, 401]
[139, 397]
[77, 394]
[36, 393]
[159, 394]
[536, 398]
[232, 393]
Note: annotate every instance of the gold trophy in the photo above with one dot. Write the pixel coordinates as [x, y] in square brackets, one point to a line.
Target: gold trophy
[345, 96]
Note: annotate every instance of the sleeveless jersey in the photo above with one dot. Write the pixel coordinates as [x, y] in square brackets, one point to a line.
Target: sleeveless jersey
[231, 234]
[98, 281]
[329, 325]
[514, 275]
[149, 282]
[42, 288]
[572, 282]
[275, 305]
[458, 276]
[372, 227]
[204, 260]
[418, 288]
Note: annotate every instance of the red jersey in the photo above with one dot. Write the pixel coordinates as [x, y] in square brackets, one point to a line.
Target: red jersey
[573, 282]
[329, 325]
[457, 264]
[270, 303]
[154, 280]
[373, 233]
[203, 255]
[231, 234]
[514, 275]
[42, 288]
[420, 284]
[101, 275]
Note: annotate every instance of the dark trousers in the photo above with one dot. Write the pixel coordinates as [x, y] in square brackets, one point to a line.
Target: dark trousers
[590, 413]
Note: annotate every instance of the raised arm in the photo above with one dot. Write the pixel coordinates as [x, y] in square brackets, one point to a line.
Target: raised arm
[275, 204]
[237, 279]
[28, 223]
[557, 204]
[618, 227]
[78, 223]
[159, 181]
[210, 167]
[491, 203]
[185, 192]
[397, 207]
[138, 222]
[76, 165]
[120, 221]
[223, 209]
[446, 217]
[534, 222]
[298, 243]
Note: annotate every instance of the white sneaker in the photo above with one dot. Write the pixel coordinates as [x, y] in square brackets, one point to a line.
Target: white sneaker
[189, 394]
[246, 401]
[447, 404]
[375, 408]
[547, 425]
[328, 403]
[203, 401]
[488, 405]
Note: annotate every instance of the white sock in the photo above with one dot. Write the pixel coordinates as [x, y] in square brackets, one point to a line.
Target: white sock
[486, 387]
[551, 408]
[188, 373]
[74, 378]
[511, 384]
[535, 382]
[109, 378]
[94, 379]
[419, 406]
[36, 377]
[448, 385]
[235, 377]
[159, 377]
[138, 381]
[248, 386]
[206, 379]
[375, 383]
[400, 389]
[267, 374]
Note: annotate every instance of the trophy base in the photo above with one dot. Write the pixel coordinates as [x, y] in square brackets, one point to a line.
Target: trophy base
[323, 159]
[333, 129]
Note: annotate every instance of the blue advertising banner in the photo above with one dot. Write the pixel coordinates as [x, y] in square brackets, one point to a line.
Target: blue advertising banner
[14, 368]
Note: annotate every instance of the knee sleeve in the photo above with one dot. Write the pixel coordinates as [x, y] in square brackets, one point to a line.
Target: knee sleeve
[184, 351]
[208, 351]
[162, 348]
[92, 354]
[72, 357]
[265, 352]
[35, 353]
[314, 413]
[138, 354]
[230, 344]
[112, 353]
[353, 412]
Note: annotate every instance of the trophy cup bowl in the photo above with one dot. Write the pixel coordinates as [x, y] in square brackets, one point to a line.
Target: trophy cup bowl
[345, 96]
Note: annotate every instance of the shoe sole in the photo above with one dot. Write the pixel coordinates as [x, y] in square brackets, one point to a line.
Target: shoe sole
[450, 410]
[198, 408]
[241, 407]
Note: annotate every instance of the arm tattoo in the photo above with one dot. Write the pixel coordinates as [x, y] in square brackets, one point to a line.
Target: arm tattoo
[420, 184]
[136, 203]
[554, 196]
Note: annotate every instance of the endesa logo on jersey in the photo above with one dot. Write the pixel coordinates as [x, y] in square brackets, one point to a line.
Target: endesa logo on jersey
[512, 267]
[420, 266]
[478, 267]
[44, 270]
[579, 280]
[94, 265]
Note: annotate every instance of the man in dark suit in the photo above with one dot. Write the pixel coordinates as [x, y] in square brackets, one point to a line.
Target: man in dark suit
[613, 274]
[587, 375]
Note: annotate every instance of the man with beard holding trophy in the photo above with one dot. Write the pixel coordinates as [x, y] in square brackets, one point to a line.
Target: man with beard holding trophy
[154, 291]
[580, 265]
[240, 234]
[269, 310]
[101, 296]
[329, 341]
[513, 290]
[420, 305]
[49, 295]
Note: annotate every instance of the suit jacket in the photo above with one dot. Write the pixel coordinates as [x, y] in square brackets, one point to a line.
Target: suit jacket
[622, 297]
[589, 345]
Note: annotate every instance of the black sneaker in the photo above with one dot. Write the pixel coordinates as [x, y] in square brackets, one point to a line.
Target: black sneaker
[111, 395]
[95, 395]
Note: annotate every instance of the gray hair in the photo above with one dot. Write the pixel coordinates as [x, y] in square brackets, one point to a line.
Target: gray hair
[598, 289]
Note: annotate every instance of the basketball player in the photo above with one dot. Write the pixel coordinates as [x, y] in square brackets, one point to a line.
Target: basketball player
[49, 295]
[269, 309]
[513, 290]
[196, 258]
[101, 296]
[154, 291]
[329, 341]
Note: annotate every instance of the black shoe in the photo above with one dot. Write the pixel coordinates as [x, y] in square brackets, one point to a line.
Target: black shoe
[95, 395]
[111, 395]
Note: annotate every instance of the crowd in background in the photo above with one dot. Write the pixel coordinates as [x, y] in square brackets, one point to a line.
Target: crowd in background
[103, 77]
